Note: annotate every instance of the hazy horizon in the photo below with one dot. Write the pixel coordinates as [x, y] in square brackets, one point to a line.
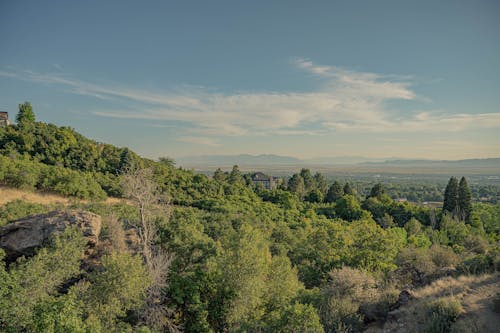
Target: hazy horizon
[308, 80]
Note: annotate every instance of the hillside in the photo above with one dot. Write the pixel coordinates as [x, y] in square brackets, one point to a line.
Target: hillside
[217, 254]
[475, 294]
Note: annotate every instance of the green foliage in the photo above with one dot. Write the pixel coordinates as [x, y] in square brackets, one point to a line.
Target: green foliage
[30, 284]
[464, 201]
[377, 191]
[335, 192]
[351, 296]
[450, 203]
[348, 190]
[17, 209]
[442, 314]
[27, 174]
[297, 318]
[25, 116]
[348, 208]
[119, 286]
[296, 185]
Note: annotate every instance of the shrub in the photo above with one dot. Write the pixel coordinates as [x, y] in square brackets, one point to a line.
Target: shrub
[443, 256]
[442, 314]
[17, 209]
[415, 265]
[352, 297]
[496, 303]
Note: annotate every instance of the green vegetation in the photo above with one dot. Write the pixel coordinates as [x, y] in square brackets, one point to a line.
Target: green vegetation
[225, 255]
[443, 313]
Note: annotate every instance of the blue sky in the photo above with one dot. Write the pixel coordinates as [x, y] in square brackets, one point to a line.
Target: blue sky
[411, 79]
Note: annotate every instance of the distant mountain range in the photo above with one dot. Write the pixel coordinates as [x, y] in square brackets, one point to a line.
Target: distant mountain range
[486, 162]
[277, 160]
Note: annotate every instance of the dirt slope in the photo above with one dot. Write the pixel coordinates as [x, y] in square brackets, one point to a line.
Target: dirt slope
[475, 294]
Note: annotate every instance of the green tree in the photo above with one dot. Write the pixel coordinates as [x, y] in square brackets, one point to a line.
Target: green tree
[334, 193]
[348, 190]
[25, 115]
[377, 191]
[314, 196]
[321, 183]
[348, 208]
[235, 176]
[464, 201]
[308, 179]
[296, 184]
[219, 175]
[450, 203]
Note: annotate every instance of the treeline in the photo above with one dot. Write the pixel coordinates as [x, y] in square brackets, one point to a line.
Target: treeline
[63, 146]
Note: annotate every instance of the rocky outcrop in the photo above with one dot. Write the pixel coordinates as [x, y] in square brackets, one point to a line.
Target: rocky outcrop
[23, 236]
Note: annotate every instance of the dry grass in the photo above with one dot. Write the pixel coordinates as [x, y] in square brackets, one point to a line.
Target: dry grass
[8, 194]
[475, 293]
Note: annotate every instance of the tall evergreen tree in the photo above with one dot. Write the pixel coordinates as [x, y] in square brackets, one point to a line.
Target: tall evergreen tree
[348, 189]
[335, 192]
[450, 203]
[464, 201]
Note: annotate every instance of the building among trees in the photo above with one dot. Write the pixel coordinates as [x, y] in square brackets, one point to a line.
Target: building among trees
[268, 182]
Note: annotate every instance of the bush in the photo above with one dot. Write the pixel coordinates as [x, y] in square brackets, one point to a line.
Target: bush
[442, 314]
[17, 209]
[352, 297]
[415, 266]
[496, 303]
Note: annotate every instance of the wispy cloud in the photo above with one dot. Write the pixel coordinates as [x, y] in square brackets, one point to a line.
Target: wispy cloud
[199, 140]
[346, 101]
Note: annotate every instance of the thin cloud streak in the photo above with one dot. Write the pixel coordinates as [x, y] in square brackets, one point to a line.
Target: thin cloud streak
[199, 140]
[347, 101]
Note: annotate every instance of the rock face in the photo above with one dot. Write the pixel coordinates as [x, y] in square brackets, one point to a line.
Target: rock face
[23, 236]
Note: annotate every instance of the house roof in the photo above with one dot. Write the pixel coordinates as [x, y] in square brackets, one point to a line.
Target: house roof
[260, 176]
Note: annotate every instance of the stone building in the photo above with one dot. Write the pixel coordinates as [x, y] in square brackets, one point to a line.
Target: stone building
[268, 182]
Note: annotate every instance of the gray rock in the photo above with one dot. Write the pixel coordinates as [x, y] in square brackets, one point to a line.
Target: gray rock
[23, 236]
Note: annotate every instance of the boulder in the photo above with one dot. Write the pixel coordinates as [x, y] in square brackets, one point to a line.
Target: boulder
[23, 236]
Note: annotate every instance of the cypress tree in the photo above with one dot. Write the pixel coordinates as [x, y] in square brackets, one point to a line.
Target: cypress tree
[464, 201]
[450, 203]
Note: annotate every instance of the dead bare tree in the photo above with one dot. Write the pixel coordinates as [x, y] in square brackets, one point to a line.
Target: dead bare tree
[139, 186]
